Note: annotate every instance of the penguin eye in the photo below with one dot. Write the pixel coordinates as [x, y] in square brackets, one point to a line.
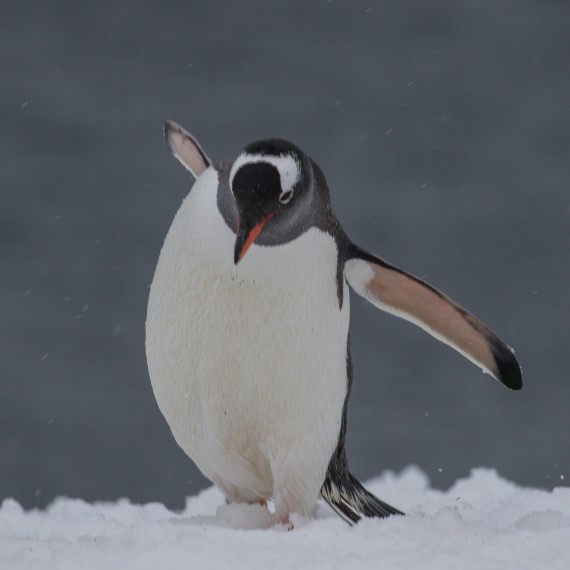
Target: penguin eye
[285, 197]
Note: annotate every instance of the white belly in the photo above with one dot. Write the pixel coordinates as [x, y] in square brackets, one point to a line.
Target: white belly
[247, 362]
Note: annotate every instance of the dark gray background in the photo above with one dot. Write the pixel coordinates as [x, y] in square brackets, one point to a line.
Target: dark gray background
[443, 129]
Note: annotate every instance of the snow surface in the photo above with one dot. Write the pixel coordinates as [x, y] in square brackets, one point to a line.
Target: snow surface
[482, 522]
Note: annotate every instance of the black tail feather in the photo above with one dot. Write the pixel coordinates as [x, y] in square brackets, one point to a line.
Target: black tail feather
[341, 490]
[351, 501]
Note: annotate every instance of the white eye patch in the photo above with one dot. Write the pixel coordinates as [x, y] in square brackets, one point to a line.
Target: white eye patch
[287, 166]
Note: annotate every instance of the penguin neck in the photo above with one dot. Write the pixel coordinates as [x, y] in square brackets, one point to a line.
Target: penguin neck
[317, 212]
[224, 198]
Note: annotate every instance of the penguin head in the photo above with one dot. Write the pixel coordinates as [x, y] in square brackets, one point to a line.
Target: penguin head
[270, 183]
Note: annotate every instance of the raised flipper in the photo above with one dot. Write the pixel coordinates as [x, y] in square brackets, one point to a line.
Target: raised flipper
[185, 148]
[410, 298]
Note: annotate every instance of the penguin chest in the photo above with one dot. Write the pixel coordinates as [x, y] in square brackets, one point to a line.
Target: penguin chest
[247, 362]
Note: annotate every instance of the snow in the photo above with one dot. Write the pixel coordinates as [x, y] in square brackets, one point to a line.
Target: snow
[483, 522]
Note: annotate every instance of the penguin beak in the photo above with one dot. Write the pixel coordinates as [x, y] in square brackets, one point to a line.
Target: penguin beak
[246, 235]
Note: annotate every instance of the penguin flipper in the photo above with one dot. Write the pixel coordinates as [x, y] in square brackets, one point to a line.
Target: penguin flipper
[414, 300]
[348, 498]
[185, 148]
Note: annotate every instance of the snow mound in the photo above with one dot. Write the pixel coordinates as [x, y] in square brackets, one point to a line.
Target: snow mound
[481, 522]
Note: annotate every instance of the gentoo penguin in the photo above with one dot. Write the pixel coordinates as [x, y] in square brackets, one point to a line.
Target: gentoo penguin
[247, 328]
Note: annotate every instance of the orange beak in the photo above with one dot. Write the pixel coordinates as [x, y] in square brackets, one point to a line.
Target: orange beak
[246, 236]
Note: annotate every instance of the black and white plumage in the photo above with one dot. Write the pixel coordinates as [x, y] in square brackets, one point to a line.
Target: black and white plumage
[248, 321]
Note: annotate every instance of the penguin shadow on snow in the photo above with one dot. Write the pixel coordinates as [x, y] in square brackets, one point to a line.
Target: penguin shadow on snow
[236, 516]
[241, 516]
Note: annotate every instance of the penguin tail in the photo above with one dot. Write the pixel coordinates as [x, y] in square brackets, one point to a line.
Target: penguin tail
[341, 489]
[351, 501]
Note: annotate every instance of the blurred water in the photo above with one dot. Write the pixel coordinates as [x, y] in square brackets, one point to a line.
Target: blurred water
[444, 134]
